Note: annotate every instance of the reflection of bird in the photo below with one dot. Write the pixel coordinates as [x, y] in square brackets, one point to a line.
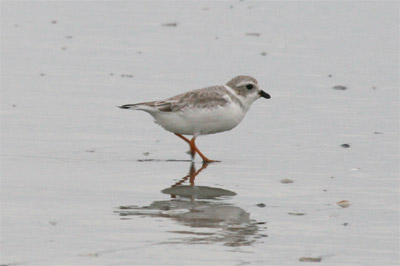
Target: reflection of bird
[204, 111]
[204, 221]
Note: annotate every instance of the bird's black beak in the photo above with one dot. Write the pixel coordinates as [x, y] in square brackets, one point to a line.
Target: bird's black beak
[264, 94]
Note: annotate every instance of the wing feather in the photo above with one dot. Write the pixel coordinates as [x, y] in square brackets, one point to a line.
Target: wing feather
[210, 97]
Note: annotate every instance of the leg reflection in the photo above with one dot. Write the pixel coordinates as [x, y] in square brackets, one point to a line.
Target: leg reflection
[191, 176]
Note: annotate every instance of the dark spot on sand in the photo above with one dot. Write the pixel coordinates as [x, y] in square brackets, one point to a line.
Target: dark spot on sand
[345, 145]
[310, 259]
[296, 213]
[339, 88]
[254, 34]
[286, 181]
[171, 24]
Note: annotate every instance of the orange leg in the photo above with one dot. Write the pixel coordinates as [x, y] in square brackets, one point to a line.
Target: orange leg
[194, 149]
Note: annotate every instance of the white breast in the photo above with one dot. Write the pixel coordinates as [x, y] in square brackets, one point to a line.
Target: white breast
[201, 121]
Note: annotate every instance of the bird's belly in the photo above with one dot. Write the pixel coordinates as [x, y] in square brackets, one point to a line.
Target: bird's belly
[201, 121]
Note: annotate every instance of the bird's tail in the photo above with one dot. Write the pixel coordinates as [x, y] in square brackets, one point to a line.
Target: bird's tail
[146, 106]
[131, 106]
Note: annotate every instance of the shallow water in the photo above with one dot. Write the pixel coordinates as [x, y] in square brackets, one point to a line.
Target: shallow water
[310, 175]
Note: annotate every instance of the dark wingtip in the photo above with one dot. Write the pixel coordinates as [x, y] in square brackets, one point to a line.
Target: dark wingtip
[126, 106]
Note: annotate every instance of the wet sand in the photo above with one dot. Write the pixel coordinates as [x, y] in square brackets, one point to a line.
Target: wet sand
[309, 176]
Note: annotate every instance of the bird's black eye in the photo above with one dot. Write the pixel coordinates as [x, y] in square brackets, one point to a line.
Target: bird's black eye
[249, 86]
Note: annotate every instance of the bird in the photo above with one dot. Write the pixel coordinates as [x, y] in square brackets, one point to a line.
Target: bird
[204, 111]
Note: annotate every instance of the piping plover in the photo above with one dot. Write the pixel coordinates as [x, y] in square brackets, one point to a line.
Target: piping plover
[204, 111]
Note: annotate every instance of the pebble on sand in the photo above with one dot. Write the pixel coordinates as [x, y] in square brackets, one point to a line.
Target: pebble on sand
[343, 203]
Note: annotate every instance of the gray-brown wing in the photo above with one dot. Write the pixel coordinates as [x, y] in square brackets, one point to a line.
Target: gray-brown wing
[210, 97]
